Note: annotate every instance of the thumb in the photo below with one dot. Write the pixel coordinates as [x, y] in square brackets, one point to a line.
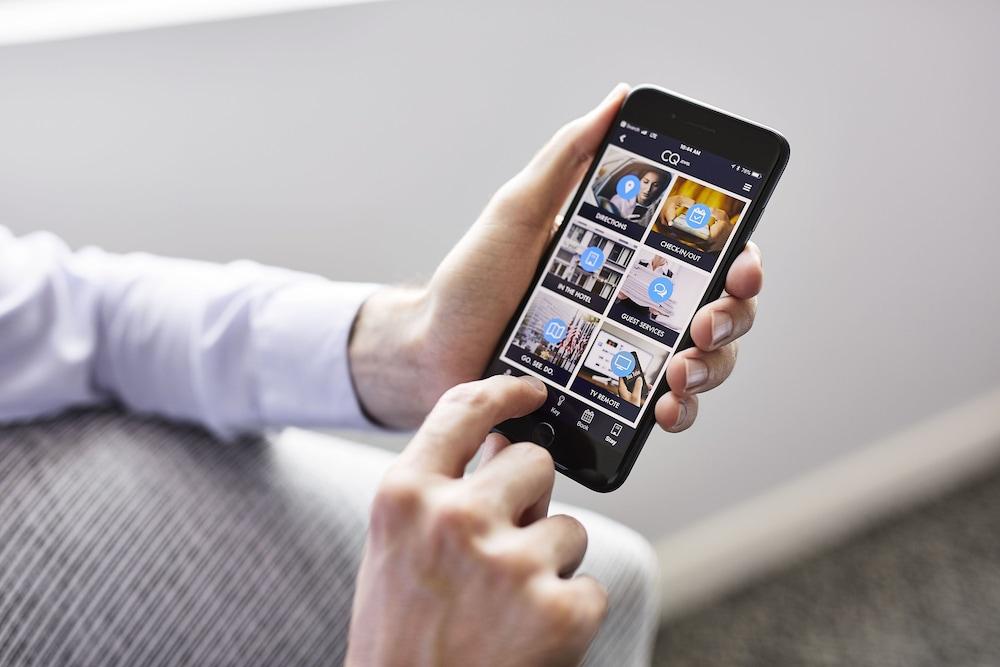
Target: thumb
[541, 188]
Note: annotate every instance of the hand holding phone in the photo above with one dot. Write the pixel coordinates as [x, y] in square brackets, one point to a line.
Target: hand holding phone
[677, 186]
[409, 345]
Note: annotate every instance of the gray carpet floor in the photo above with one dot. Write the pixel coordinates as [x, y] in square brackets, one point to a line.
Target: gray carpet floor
[920, 590]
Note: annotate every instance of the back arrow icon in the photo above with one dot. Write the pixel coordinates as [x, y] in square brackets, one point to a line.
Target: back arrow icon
[622, 138]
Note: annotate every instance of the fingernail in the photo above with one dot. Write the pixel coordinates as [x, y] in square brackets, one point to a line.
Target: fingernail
[696, 372]
[682, 413]
[537, 384]
[722, 326]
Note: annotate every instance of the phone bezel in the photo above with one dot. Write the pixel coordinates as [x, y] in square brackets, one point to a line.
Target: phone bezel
[715, 131]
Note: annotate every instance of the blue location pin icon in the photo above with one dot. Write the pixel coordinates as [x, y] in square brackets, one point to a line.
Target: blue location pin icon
[628, 187]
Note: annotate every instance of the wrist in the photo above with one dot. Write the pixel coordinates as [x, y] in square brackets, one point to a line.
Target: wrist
[385, 352]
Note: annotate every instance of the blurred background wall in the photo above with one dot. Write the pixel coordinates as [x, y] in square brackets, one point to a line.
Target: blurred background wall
[360, 141]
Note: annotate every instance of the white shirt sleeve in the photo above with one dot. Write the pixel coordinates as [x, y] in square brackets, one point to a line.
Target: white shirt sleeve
[236, 347]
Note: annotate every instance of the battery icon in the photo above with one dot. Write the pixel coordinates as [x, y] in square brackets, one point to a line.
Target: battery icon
[755, 174]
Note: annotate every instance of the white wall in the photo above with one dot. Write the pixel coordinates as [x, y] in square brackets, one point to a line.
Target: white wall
[301, 139]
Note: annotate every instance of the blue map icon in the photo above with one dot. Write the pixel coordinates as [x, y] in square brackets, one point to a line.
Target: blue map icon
[554, 331]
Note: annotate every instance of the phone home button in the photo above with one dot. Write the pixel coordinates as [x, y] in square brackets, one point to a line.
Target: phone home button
[543, 434]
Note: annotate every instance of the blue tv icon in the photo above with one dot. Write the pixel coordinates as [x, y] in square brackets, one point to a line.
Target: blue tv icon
[628, 187]
[622, 364]
[592, 259]
[554, 331]
[698, 216]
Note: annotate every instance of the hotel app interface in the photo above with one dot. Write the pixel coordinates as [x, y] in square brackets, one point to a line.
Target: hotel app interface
[633, 262]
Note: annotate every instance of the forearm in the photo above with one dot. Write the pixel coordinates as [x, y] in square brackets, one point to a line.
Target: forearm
[235, 347]
[389, 366]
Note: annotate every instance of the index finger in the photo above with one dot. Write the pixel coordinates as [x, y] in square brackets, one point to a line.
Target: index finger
[458, 424]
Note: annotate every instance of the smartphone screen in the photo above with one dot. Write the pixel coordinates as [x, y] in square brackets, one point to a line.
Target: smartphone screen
[641, 247]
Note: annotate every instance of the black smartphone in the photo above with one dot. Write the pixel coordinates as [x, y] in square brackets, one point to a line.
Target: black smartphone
[670, 200]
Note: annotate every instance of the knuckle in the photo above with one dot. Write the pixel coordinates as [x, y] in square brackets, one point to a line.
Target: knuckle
[456, 522]
[691, 406]
[723, 361]
[744, 317]
[563, 137]
[509, 202]
[398, 499]
[597, 608]
[522, 202]
[568, 135]
[558, 611]
[573, 526]
[513, 566]
[565, 131]
[501, 199]
[574, 616]
[591, 606]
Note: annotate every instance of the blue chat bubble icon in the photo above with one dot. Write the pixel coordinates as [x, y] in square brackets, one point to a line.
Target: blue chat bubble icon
[660, 289]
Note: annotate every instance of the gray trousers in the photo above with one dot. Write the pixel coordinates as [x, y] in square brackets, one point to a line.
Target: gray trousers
[130, 541]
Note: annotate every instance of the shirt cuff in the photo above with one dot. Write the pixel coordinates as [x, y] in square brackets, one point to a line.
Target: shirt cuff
[303, 370]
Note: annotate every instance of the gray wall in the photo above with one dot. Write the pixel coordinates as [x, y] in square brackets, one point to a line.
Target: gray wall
[303, 139]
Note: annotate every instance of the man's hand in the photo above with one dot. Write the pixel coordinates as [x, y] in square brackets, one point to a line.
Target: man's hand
[410, 345]
[469, 571]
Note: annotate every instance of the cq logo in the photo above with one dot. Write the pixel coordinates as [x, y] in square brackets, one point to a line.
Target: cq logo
[671, 157]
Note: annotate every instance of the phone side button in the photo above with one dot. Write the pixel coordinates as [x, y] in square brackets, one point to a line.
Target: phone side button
[543, 434]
